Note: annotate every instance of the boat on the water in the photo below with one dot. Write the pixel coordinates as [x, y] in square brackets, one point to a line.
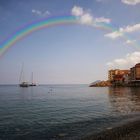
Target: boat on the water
[32, 84]
[24, 84]
[32, 81]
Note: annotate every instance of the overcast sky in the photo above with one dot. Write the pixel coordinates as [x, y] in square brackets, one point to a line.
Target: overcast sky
[69, 54]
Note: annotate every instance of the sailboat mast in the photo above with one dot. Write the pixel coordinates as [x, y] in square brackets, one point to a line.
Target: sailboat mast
[32, 81]
[21, 78]
[32, 78]
[22, 83]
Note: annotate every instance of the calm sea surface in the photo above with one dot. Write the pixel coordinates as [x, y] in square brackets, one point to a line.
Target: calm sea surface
[64, 111]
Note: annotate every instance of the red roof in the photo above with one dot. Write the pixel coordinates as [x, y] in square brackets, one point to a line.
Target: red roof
[137, 65]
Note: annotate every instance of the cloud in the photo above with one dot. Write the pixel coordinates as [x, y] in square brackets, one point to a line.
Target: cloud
[102, 19]
[121, 31]
[130, 42]
[129, 29]
[40, 13]
[99, 0]
[124, 63]
[77, 11]
[114, 35]
[131, 2]
[86, 18]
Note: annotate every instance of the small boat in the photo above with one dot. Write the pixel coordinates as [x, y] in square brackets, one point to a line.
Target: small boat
[32, 84]
[24, 84]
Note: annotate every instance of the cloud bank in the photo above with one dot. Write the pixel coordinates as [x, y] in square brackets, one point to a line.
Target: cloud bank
[86, 18]
[131, 2]
[124, 63]
[121, 31]
[130, 42]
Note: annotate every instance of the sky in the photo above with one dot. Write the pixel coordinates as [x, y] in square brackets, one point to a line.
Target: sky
[75, 53]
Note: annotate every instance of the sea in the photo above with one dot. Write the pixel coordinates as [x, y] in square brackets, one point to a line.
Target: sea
[64, 112]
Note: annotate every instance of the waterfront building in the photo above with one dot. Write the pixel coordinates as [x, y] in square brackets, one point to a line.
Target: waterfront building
[125, 77]
[135, 73]
[111, 74]
[117, 75]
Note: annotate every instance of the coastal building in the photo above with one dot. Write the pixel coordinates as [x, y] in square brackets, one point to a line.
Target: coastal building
[127, 78]
[111, 74]
[117, 75]
[118, 78]
[135, 73]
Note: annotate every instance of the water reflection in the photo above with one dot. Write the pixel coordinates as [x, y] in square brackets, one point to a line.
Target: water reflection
[125, 99]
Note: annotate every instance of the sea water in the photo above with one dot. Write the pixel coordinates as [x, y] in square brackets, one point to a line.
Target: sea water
[64, 111]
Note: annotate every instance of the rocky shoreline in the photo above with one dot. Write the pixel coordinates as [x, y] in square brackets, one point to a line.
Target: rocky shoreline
[129, 131]
[116, 84]
[100, 84]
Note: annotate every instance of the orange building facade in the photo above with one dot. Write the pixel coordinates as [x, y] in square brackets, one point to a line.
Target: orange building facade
[117, 75]
[135, 72]
[125, 76]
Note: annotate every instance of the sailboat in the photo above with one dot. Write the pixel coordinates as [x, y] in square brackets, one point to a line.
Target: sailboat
[21, 79]
[32, 82]
[24, 84]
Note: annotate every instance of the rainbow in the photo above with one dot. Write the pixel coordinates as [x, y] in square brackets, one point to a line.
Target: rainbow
[44, 23]
[32, 27]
